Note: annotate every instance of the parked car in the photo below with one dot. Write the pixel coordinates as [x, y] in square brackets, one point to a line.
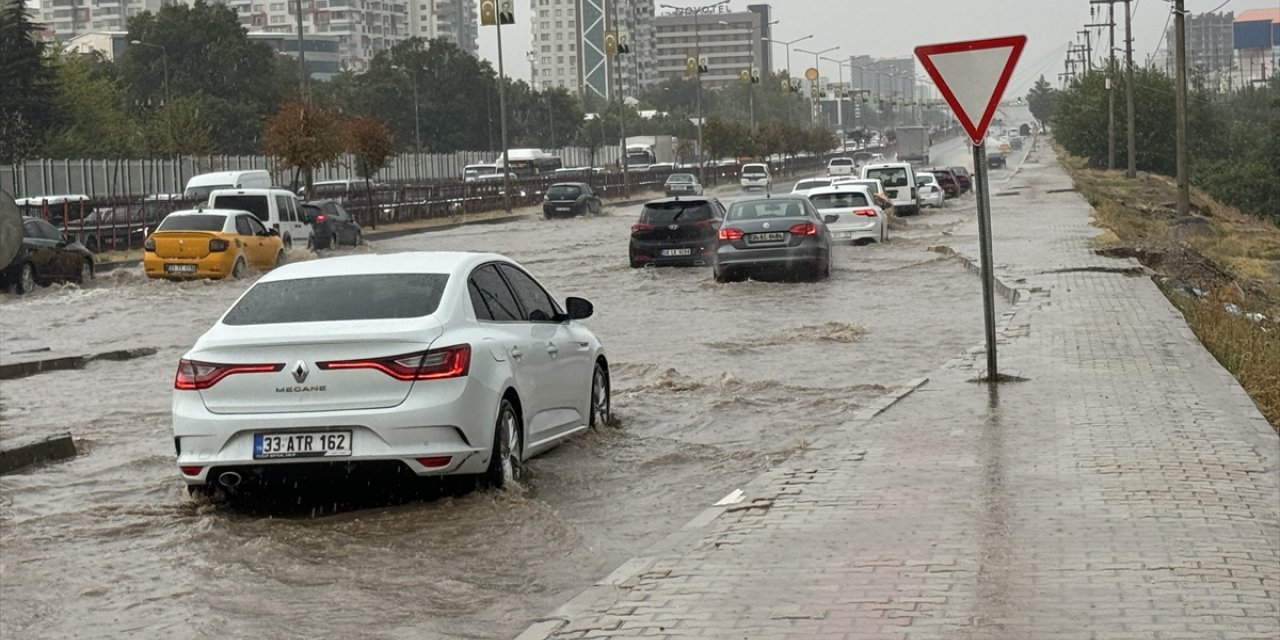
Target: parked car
[803, 187]
[945, 179]
[331, 225]
[211, 243]
[676, 232]
[756, 176]
[841, 167]
[54, 209]
[200, 186]
[996, 160]
[46, 256]
[772, 236]
[682, 184]
[118, 227]
[423, 361]
[851, 213]
[964, 177]
[275, 208]
[899, 180]
[570, 199]
[931, 194]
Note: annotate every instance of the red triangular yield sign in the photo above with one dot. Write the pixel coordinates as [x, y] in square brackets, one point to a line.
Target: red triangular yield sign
[972, 76]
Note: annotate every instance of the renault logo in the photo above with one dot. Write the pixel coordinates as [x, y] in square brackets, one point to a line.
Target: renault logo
[300, 372]
[766, 225]
[674, 227]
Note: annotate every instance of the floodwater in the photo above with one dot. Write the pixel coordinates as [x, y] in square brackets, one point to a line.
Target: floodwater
[713, 384]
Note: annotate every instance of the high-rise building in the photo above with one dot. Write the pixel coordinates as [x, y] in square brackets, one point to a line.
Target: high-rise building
[66, 19]
[1209, 46]
[568, 47]
[730, 42]
[452, 20]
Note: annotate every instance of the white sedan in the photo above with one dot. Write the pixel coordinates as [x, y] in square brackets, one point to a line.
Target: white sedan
[857, 217]
[438, 363]
[803, 187]
[931, 193]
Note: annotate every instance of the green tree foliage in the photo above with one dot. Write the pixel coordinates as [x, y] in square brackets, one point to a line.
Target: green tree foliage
[726, 138]
[370, 141]
[92, 119]
[1042, 100]
[26, 82]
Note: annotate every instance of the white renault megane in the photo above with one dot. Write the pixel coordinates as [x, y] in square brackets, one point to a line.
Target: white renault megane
[445, 363]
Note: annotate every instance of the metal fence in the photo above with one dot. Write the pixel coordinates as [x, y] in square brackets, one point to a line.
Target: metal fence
[124, 179]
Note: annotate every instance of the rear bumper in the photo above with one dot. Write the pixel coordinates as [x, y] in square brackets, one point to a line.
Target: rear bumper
[650, 252]
[728, 256]
[214, 265]
[855, 232]
[552, 209]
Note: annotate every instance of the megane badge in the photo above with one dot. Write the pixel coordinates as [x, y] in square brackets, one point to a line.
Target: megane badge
[766, 225]
[300, 372]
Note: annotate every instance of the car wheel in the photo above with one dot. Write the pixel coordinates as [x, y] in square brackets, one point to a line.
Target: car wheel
[239, 269]
[279, 259]
[86, 272]
[288, 243]
[91, 243]
[601, 410]
[357, 241]
[723, 276]
[311, 243]
[505, 462]
[27, 279]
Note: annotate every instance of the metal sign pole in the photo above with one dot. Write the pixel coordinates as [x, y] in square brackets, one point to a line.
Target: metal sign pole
[984, 247]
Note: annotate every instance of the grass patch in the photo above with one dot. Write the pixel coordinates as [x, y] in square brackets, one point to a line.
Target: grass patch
[1235, 261]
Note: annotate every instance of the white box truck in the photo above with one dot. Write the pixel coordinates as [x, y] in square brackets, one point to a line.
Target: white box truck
[913, 144]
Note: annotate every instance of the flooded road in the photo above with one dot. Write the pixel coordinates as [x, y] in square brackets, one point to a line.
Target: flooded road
[712, 385]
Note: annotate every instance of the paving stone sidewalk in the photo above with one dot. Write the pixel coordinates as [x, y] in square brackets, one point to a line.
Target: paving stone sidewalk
[1127, 489]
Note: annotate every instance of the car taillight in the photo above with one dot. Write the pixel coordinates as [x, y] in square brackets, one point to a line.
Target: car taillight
[448, 362]
[194, 375]
[805, 229]
[149, 245]
[730, 233]
[640, 226]
[870, 213]
[320, 218]
[218, 244]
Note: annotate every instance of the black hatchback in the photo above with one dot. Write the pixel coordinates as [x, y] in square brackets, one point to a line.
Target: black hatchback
[676, 232]
[331, 225]
[566, 199]
[46, 256]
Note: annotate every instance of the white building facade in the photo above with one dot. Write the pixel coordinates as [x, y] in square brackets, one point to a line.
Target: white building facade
[568, 48]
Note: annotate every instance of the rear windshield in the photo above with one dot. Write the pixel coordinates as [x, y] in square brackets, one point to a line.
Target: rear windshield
[843, 200]
[874, 187]
[564, 191]
[338, 298]
[842, 161]
[664, 213]
[925, 178]
[812, 184]
[199, 222]
[763, 209]
[680, 178]
[257, 205]
[753, 168]
[890, 177]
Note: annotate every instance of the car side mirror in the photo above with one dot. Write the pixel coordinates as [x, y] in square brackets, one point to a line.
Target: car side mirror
[579, 308]
[67, 239]
[273, 232]
[830, 218]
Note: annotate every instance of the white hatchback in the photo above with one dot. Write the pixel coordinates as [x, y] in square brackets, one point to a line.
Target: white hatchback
[931, 194]
[803, 187]
[857, 218]
[438, 363]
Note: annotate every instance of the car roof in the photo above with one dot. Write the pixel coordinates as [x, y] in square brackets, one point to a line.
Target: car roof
[252, 191]
[755, 164]
[681, 199]
[568, 184]
[321, 203]
[207, 212]
[50, 199]
[841, 188]
[889, 165]
[450, 262]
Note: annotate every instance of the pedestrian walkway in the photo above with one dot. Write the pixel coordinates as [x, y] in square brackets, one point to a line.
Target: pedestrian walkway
[1126, 489]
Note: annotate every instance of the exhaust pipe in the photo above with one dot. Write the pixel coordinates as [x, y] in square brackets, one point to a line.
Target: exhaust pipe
[229, 479]
[699, 263]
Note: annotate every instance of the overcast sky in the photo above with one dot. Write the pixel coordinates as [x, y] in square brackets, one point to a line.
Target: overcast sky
[892, 28]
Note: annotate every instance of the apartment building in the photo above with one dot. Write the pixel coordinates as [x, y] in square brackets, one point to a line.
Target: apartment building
[568, 47]
[730, 41]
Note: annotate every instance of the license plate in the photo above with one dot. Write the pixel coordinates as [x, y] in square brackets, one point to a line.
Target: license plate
[670, 253]
[180, 268]
[841, 235]
[767, 237]
[323, 444]
[564, 208]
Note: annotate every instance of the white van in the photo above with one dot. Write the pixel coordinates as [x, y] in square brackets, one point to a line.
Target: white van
[756, 176]
[277, 209]
[899, 181]
[199, 187]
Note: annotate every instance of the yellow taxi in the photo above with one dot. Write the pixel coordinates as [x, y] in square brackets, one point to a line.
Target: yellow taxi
[211, 243]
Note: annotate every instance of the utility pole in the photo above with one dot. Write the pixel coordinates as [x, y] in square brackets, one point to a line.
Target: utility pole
[1180, 104]
[303, 76]
[619, 48]
[1088, 49]
[1131, 138]
[1110, 24]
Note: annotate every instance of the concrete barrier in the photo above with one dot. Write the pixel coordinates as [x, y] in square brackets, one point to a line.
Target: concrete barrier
[24, 452]
[11, 370]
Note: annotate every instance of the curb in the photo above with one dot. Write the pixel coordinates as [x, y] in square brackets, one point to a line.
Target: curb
[29, 451]
[1012, 294]
[546, 626]
[14, 370]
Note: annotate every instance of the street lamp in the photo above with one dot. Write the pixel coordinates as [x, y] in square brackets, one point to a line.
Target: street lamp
[840, 99]
[697, 54]
[164, 61]
[788, 46]
[816, 56]
[417, 122]
[751, 71]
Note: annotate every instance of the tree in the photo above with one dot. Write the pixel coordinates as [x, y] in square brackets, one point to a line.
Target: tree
[303, 137]
[91, 119]
[725, 139]
[370, 141]
[26, 81]
[1042, 100]
[180, 128]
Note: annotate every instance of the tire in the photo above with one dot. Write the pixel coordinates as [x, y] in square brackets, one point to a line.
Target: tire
[288, 243]
[26, 279]
[239, 269]
[319, 246]
[506, 463]
[311, 243]
[358, 240]
[91, 243]
[279, 259]
[601, 407]
[722, 276]
[85, 275]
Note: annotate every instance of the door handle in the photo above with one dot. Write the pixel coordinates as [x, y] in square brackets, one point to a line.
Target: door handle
[516, 353]
[552, 349]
